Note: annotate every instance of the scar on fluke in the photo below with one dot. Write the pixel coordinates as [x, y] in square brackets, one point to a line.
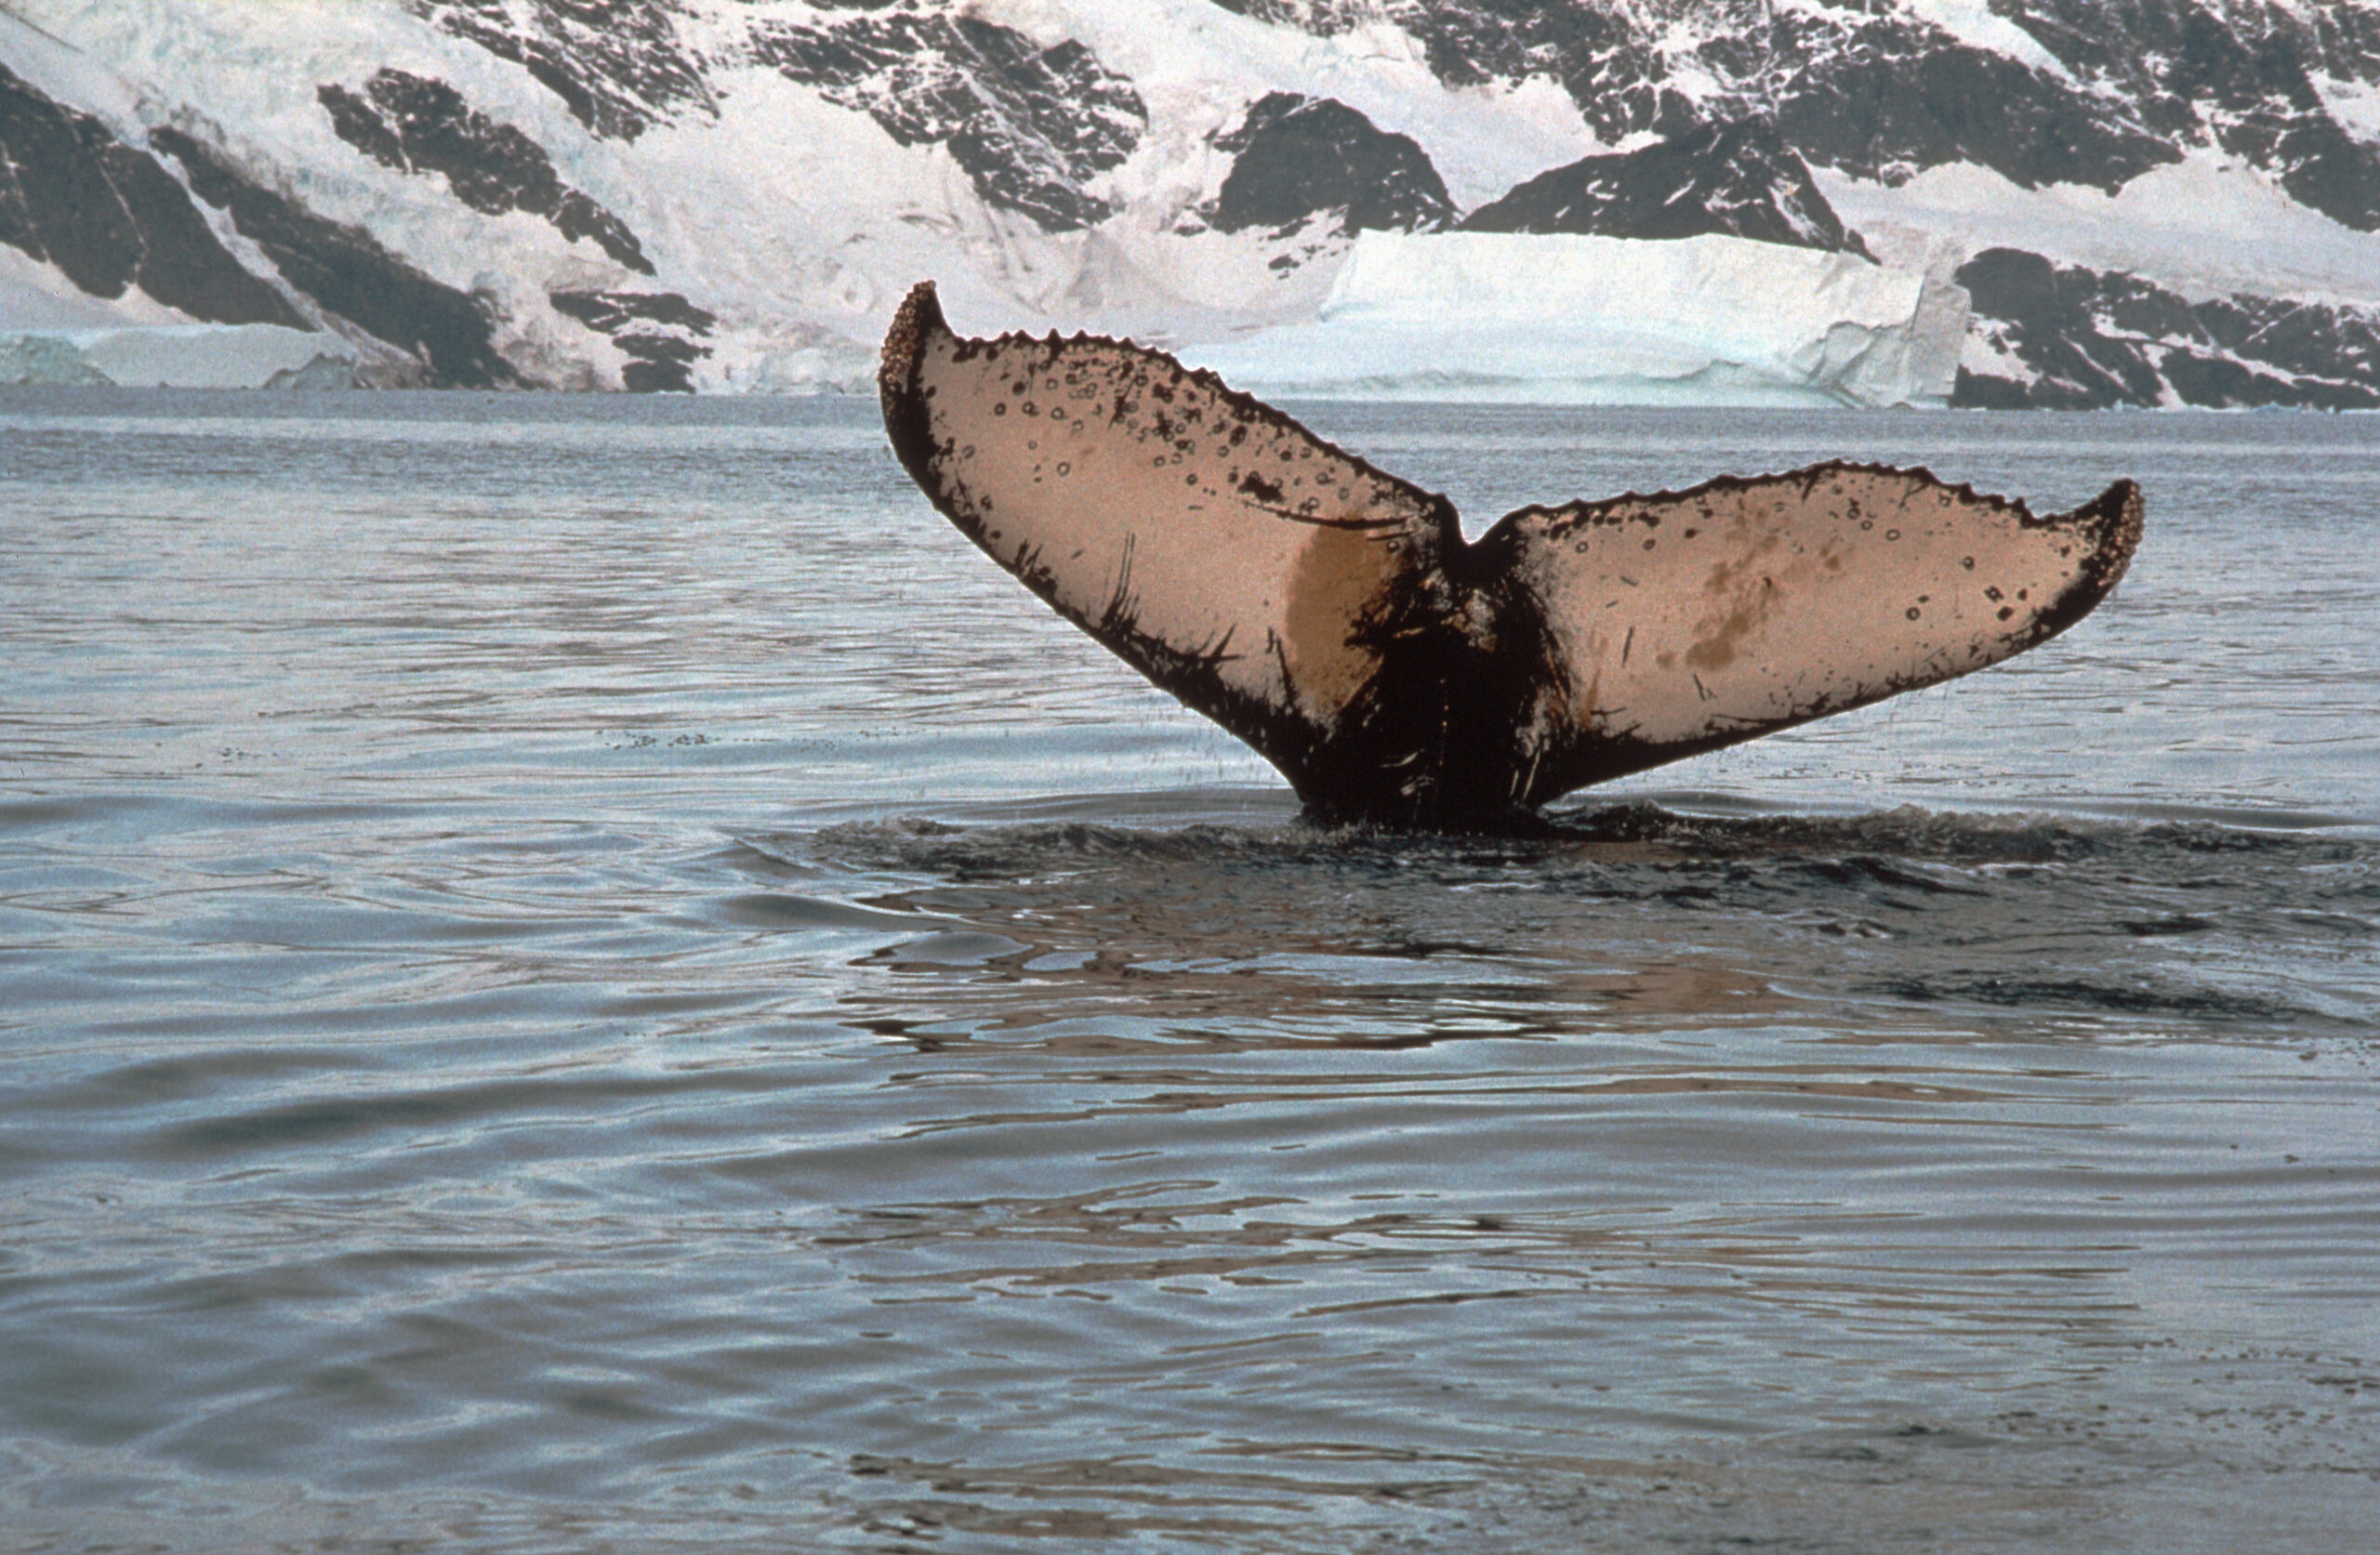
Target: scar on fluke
[1333, 616]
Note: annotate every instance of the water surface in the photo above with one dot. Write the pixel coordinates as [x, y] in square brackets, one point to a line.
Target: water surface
[582, 973]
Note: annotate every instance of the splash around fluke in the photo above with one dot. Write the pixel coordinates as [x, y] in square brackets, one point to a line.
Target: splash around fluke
[1333, 616]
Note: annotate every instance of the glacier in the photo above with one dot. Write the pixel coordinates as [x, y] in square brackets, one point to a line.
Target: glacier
[1583, 320]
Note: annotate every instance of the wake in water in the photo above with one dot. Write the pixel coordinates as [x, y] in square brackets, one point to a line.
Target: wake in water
[1939, 916]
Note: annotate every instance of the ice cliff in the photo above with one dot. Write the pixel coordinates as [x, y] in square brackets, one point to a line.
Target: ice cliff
[2160, 204]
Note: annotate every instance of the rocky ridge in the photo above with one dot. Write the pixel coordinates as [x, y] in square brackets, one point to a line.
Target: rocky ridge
[1295, 159]
[1737, 179]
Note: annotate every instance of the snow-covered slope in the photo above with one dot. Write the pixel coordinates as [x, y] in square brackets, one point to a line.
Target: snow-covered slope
[2147, 200]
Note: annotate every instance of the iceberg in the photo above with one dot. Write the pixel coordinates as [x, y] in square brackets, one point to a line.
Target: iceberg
[178, 356]
[1583, 320]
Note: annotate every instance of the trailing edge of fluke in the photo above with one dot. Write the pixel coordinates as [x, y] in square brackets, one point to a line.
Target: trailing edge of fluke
[1332, 615]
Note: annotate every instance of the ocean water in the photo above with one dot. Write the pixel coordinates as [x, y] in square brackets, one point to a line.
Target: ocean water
[581, 973]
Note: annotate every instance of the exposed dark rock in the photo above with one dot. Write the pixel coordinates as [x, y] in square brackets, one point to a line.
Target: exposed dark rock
[350, 274]
[358, 122]
[182, 264]
[2094, 339]
[618, 65]
[417, 125]
[1885, 114]
[1880, 92]
[1030, 126]
[2239, 78]
[65, 208]
[2323, 168]
[1294, 157]
[608, 311]
[1744, 97]
[111, 219]
[1610, 63]
[1737, 179]
[1869, 89]
[659, 363]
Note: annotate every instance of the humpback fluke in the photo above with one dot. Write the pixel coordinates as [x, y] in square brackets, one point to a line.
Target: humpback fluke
[1332, 615]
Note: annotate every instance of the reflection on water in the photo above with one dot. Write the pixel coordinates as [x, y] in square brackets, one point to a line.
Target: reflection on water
[581, 974]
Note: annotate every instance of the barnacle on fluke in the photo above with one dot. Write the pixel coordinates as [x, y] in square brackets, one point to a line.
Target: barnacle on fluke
[1332, 615]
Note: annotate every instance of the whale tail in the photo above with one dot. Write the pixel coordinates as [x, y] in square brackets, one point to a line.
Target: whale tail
[1332, 615]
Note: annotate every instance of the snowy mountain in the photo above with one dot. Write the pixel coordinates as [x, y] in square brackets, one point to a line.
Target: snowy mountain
[1999, 203]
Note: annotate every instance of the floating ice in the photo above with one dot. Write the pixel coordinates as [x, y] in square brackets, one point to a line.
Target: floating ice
[178, 356]
[1713, 319]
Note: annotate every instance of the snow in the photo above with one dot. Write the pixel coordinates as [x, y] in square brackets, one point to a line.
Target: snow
[1709, 320]
[252, 71]
[2354, 104]
[790, 206]
[1198, 66]
[2204, 227]
[1973, 23]
[52, 332]
[800, 222]
[36, 294]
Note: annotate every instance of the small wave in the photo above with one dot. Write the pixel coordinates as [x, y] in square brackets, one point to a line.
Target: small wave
[1851, 844]
[359, 1118]
[2196, 1005]
[1911, 832]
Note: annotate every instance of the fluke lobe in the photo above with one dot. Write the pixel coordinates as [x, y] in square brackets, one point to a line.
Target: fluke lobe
[1332, 615]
